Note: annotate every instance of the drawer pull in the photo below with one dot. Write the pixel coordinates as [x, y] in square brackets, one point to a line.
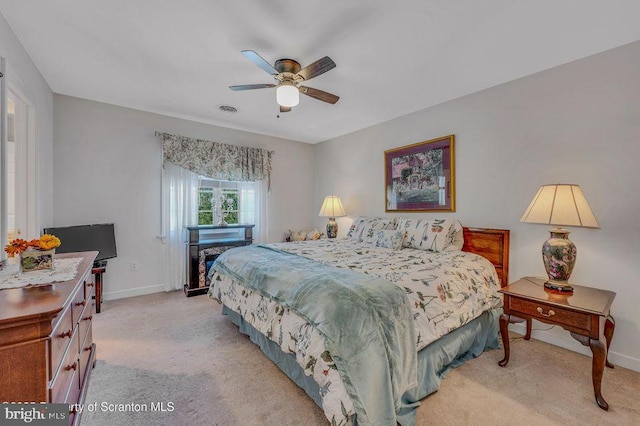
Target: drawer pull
[72, 366]
[88, 348]
[89, 318]
[67, 333]
[541, 312]
[73, 410]
[89, 284]
[84, 302]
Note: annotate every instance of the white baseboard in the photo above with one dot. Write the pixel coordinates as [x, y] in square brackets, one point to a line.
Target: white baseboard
[567, 342]
[131, 292]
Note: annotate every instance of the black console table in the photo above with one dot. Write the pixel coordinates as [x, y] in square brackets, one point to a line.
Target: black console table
[204, 244]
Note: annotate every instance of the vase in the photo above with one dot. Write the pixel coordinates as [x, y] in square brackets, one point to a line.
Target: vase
[36, 260]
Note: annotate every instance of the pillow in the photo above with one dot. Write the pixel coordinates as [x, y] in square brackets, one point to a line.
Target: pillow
[413, 228]
[314, 235]
[391, 238]
[353, 227]
[455, 238]
[426, 234]
[298, 236]
[393, 224]
[367, 228]
[304, 235]
[369, 233]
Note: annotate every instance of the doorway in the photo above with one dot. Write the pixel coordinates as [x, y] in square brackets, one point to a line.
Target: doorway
[18, 166]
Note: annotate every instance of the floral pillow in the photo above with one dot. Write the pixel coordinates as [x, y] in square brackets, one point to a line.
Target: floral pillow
[353, 227]
[392, 224]
[427, 234]
[365, 228]
[391, 238]
[455, 238]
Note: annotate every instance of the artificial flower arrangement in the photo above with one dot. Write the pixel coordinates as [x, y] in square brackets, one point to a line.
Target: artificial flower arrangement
[35, 254]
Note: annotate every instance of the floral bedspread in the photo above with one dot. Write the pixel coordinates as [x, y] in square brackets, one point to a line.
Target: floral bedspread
[446, 290]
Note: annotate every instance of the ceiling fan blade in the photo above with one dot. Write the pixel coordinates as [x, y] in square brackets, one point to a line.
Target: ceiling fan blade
[251, 86]
[319, 94]
[284, 109]
[259, 61]
[318, 67]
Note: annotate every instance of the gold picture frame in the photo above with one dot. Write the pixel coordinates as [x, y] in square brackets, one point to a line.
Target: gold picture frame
[421, 177]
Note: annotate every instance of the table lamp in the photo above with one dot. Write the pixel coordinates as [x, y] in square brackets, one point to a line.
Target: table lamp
[560, 205]
[332, 208]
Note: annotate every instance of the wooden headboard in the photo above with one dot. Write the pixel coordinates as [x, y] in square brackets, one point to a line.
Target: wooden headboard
[492, 244]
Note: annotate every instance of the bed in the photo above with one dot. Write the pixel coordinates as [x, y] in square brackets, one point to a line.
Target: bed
[365, 350]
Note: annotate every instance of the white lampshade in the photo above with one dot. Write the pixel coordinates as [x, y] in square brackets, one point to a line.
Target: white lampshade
[332, 207]
[562, 205]
[287, 95]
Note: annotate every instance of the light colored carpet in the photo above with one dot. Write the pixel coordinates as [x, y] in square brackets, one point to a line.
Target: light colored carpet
[172, 349]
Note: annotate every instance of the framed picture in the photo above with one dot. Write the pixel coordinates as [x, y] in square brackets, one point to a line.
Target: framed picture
[420, 177]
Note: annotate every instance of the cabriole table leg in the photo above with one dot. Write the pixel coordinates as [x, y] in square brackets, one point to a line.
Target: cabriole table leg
[609, 328]
[504, 333]
[597, 368]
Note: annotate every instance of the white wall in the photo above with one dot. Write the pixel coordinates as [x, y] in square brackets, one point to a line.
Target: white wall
[23, 76]
[107, 168]
[577, 123]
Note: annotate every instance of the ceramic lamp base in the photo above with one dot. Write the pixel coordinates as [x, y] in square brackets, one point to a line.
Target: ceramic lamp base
[559, 257]
[332, 228]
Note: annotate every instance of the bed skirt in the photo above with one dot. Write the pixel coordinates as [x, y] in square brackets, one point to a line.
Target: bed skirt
[434, 361]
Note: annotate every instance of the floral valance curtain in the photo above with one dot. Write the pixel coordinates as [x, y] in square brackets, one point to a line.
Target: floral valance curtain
[217, 160]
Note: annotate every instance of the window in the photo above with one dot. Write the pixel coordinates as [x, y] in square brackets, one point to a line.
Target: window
[232, 201]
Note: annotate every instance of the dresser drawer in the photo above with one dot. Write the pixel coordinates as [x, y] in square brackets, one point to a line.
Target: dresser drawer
[78, 303]
[84, 327]
[85, 355]
[60, 339]
[68, 369]
[89, 288]
[553, 313]
[74, 389]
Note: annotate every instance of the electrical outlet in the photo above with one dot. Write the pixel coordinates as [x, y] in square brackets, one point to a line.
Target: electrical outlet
[133, 266]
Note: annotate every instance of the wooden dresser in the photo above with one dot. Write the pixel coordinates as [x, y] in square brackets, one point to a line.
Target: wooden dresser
[46, 345]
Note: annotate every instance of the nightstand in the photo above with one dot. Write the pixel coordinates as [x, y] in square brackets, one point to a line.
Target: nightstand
[584, 313]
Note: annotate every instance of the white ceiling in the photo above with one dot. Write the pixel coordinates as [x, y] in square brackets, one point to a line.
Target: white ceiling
[393, 57]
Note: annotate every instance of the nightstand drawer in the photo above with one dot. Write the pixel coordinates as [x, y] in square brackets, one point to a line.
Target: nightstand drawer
[551, 313]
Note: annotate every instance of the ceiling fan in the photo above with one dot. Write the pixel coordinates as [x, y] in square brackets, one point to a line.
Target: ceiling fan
[290, 74]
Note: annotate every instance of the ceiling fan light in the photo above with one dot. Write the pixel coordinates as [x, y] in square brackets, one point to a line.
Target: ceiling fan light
[287, 95]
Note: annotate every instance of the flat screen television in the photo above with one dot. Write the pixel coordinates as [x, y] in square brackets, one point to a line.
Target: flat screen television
[99, 237]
